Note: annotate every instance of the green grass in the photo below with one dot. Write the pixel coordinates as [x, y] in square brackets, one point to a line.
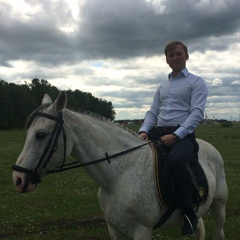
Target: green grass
[65, 205]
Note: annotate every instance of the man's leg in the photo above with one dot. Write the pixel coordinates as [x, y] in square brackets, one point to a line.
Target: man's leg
[177, 162]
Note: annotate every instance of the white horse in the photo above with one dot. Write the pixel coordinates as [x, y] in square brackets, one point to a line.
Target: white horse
[127, 194]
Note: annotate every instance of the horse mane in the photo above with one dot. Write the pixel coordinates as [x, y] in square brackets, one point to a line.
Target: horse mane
[96, 116]
[33, 114]
[84, 112]
[104, 119]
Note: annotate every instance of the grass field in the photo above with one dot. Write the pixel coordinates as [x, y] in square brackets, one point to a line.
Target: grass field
[65, 205]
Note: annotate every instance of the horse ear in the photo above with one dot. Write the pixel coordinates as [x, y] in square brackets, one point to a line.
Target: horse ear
[61, 102]
[46, 99]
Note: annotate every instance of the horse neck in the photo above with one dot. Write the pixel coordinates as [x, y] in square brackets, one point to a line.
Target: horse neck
[91, 139]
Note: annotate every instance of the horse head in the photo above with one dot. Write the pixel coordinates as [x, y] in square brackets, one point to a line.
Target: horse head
[43, 146]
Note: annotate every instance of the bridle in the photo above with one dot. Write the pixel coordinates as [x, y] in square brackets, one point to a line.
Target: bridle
[41, 170]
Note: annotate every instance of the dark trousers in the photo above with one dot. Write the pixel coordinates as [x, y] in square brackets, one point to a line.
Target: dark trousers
[178, 157]
[177, 160]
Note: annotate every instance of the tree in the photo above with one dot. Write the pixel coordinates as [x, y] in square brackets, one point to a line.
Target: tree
[226, 123]
[39, 88]
[17, 101]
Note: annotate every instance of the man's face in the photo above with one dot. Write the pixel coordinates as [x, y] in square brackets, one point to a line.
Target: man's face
[176, 58]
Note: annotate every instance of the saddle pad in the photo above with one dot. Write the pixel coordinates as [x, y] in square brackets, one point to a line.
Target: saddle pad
[198, 177]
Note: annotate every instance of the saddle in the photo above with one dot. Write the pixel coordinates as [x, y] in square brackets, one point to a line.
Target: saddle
[164, 187]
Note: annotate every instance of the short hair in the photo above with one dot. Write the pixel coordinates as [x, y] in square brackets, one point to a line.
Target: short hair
[172, 45]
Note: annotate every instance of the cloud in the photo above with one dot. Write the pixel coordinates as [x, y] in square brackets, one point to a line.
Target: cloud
[217, 82]
[115, 49]
[236, 82]
[133, 29]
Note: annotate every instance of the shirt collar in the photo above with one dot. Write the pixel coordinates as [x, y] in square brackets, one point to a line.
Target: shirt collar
[183, 73]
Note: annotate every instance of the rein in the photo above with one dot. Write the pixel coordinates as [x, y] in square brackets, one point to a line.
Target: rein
[41, 170]
[107, 158]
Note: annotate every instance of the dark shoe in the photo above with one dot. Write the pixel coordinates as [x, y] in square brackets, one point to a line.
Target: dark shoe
[189, 226]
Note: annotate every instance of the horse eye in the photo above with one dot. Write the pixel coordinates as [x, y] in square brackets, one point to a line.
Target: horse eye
[40, 135]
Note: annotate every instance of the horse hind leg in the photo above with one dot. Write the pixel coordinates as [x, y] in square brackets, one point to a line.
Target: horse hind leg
[218, 213]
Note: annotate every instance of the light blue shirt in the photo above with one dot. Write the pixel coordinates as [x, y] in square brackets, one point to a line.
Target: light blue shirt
[180, 100]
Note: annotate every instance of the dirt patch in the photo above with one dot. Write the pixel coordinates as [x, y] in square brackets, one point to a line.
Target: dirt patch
[50, 226]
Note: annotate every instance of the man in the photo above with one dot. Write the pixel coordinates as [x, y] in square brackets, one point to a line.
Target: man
[177, 109]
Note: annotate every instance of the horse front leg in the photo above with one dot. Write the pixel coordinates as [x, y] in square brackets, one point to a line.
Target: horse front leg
[116, 235]
[140, 233]
[200, 231]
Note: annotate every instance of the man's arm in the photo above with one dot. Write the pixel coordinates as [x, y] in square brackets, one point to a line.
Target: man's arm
[198, 101]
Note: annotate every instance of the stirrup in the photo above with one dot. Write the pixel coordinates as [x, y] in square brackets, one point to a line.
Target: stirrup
[190, 224]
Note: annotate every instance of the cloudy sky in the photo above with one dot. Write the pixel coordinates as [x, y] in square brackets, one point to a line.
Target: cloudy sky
[114, 48]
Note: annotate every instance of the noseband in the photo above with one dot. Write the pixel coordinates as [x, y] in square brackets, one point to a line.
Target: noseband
[41, 169]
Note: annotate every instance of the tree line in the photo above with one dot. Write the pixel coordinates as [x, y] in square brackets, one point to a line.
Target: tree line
[17, 101]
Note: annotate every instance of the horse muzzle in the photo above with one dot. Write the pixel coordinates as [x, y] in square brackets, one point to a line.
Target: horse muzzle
[25, 180]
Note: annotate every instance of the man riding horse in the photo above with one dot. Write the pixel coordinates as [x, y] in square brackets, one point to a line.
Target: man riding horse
[177, 109]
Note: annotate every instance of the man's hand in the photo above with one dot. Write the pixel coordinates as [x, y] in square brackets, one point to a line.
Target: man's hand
[143, 136]
[168, 140]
